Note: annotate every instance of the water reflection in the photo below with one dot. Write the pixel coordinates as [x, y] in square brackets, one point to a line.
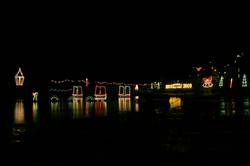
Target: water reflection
[100, 108]
[246, 107]
[19, 114]
[59, 110]
[89, 108]
[55, 108]
[18, 130]
[136, 107]
[230, 107]
[175, 102]
[222, 106]
[35, 112]
[77, 107]
[208, 108]
[124, 104]
[246, 102]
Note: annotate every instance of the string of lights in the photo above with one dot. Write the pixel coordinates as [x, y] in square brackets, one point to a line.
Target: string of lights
[60, 90]
[97, 82]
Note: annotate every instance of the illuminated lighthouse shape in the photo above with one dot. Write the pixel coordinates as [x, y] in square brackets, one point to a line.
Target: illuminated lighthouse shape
[19, 77]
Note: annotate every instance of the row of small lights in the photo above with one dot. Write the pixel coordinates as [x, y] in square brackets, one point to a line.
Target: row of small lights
[97, 82]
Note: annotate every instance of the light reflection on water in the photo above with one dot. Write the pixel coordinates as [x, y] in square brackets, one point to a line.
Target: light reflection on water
[18, 129]
[227, 108]
[212, 108]
[175, 102]
[136, 107]
[19, 114]
[100, 108]
[77, 108]
[124, 104]
[35, 112]
[230, 107]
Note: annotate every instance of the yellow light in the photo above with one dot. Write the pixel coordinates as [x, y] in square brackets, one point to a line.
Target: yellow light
[174, 102]
[187, 86]
[179, 86]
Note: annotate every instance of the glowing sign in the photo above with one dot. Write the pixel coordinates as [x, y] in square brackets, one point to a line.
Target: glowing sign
[187, 86]
[207, 82]
[19, 77]
[179, 86]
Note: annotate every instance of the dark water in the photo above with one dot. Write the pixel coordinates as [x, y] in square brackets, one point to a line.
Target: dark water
[124, 131]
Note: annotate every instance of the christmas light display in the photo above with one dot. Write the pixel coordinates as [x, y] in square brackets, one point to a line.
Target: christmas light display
[87, 82]
[136, 87]
[198, 69]
[19, 78]
[35, 96]
[221, 82]
[231, 83]
[124, 91]
[179, 86]
[96, 82]
[77, 91]
[244, 81]
[100, 92]
[155, 85]
[187, 86]
[207, 82]
[54, 98]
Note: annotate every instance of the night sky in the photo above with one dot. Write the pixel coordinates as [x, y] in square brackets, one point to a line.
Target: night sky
[121, 43]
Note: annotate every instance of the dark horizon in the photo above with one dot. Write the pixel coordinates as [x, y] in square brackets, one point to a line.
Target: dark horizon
[140, 45]
[154, 65]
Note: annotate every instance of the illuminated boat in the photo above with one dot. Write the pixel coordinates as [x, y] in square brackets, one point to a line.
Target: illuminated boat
[100, 92]
[77, 91]
[124, 91]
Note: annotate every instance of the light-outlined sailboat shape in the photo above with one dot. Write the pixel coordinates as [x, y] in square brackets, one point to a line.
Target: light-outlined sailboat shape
[77, 91]
[124, 91]
[100, 92]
